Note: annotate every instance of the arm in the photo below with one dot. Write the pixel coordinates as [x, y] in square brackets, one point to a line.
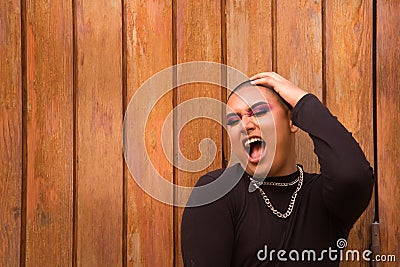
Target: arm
[347, 176]
[207, 232]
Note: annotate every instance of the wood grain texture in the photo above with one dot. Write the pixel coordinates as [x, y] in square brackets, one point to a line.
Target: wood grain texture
[99, 133]
[249, 35]
[149, 50]
[388, 127]
[248, 40]
[258, 37]
[49, 133]
[349, 92]
[10, 133]
[299, 59]
[198, 38]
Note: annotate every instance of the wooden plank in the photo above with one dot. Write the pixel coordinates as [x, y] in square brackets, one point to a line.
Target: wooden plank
[198, 38]
[99, 225]
[10, 133]
[149, 50]
[248, 40]
[349, 92]
[49, 133]
[299, 58]
[388, 127]
[249, 36]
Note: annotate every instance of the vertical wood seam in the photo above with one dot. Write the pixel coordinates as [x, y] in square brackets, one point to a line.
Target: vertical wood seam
[24, 154]
[274, 39]
[224, 78]
[174, 53]
[75, 136]
[375, 104]
[124, 107]
[323, 22]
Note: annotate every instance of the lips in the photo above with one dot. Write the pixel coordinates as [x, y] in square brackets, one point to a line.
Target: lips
[255, 148]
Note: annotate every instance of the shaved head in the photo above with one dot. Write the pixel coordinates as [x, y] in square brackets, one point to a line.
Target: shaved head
[247, 84]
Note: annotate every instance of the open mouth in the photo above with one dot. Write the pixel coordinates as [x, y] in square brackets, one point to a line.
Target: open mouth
[255, 147]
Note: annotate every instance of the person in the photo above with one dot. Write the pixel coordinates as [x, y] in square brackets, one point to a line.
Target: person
[291, 217]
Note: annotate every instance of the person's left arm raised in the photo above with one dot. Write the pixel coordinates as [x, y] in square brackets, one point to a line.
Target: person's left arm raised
[347, 177]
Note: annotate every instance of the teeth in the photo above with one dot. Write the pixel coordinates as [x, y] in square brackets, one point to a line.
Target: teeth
[251, 140]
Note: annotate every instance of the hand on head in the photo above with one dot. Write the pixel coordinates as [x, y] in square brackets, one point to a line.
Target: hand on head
[286, 89]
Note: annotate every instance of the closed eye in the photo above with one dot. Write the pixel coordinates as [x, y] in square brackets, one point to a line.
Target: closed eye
[232, 120]
[257, 110]
[261, 110]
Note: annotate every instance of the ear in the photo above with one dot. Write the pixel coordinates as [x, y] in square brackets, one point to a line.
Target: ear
[293, 128]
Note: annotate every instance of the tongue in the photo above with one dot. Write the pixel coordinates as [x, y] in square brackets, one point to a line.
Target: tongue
[256, 150]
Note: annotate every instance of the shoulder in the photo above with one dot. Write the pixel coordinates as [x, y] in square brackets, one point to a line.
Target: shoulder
[215, 186]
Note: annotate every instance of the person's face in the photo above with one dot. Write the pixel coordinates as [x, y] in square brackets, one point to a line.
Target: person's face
[259, 124]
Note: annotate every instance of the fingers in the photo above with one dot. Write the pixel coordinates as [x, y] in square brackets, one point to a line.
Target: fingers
[258, 76]
[266, 81]
[287, 90]
[270, 79]
[267, 74]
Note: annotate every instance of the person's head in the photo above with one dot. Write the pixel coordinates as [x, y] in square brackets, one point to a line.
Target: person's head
[258, 120]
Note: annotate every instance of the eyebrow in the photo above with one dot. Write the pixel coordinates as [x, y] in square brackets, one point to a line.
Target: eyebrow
[251, 108]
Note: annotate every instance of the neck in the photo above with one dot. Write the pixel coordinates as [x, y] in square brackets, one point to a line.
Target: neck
[288, 166]
[283, 171]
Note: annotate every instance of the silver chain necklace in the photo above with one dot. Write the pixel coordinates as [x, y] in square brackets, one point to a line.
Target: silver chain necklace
[274, 183]
[292, 200]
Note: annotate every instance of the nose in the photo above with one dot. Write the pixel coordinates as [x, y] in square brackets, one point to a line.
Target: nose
[248, 123]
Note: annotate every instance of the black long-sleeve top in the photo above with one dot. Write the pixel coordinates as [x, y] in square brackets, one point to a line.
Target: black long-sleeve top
[240, 230]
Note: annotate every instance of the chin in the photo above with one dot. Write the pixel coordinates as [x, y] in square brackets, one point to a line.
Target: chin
[259, 170]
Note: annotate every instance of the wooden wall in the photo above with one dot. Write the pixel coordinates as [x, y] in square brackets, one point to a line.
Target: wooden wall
[69, 68]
